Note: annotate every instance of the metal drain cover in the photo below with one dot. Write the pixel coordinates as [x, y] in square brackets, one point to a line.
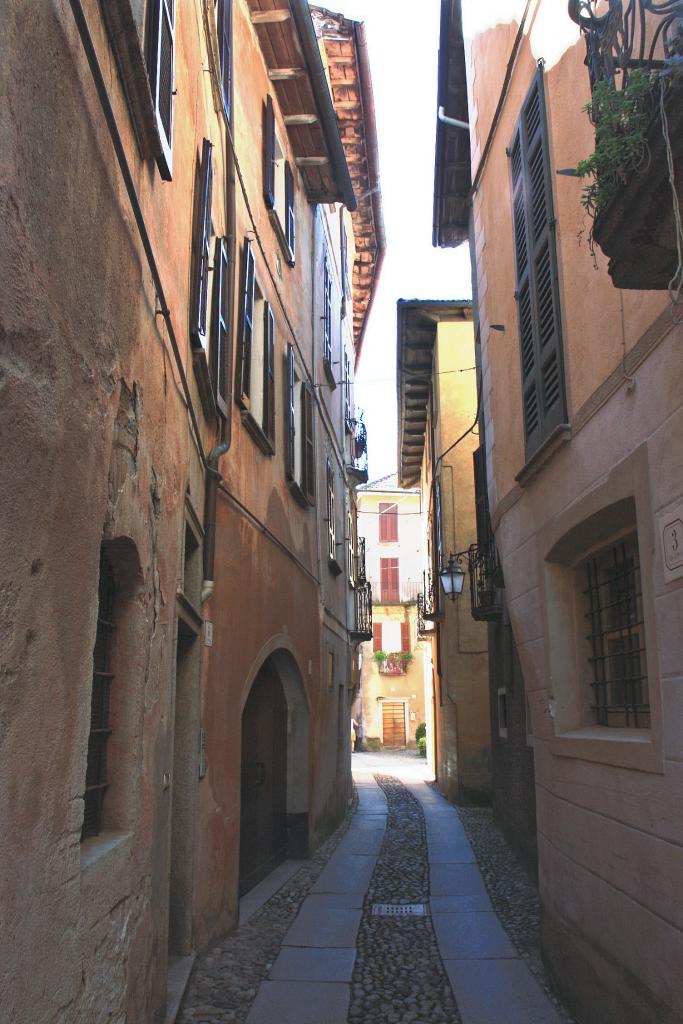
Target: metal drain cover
[399, 909]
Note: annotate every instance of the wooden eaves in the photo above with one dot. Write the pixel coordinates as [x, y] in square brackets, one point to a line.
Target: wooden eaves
[348, 67]
[288, 42]
[417, 321]
[452, 165]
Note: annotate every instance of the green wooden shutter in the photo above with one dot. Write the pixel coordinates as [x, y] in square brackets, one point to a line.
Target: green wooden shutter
[220, 342]
[537, 293]
[269, 154]
[202, 249]
[246, 327]
[327, 312]
[291, 421]
[224, 27]
[160, 64]
[290, 227]
[308, 447]
[269, 373]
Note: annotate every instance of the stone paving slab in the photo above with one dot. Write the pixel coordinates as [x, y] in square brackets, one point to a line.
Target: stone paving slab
[451, 853]
[323, 927]
[499, 992]
[295, 964]
[459, 904]
[300, 1002]
[337, 900]
[456, 880]
[471, 935]
[346, 872]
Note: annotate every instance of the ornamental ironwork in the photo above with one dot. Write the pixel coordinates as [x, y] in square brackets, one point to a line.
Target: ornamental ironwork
[359, 451]
[430, 597]
[629, 35]
[362, 629]
[486, 581]
[360, 560]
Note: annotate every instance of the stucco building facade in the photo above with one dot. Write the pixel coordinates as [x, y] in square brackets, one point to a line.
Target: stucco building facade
[180, 327]
[437, 406]
[581, 416]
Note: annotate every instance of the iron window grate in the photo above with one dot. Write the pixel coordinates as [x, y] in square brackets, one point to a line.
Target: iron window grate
[96, 768]
[616, 637]
[399, 910]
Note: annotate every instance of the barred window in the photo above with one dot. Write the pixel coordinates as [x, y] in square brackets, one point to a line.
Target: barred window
[102, 678]
[616, 637]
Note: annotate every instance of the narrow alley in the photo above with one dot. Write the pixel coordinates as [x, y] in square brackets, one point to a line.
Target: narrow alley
[413, 913]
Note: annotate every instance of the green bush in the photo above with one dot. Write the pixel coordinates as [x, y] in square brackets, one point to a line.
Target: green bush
[422, 746]
[420, 732]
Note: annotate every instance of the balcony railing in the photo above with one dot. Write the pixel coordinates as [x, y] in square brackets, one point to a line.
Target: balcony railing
[358, 469]
[486, 581]
[362, 628]
[406, 593]
[430, 598]
[629, 35]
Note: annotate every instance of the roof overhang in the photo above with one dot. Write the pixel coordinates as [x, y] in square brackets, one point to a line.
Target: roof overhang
[348, 66]
[417, 322]
[452, 168]
[288, 42]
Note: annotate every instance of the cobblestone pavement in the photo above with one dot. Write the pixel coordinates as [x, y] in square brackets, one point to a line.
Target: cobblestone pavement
[399, 976]
[315, 954]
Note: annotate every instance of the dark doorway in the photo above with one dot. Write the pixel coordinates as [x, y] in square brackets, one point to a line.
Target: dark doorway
[263, 826]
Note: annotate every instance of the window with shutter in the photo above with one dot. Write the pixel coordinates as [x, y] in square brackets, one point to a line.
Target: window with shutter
[350, 545]
[308, 449]
[246, 327]
[290, 226]
[202, 249]
[290, 405]
[388, 521]
[160, 63]
[405, 637]
[347, 394]
[224, 27]
[389, 580]
[331, 515]
[540, 334]
[220, 342]
[344, 260]
[376, 636]
[269, 154]
[327, 312]
[481, 501]
[269, 375]
[438, 525]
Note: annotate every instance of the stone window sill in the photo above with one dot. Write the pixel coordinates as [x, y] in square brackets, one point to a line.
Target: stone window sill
[621, 748]
[98, 848]
[557, 439]
[299, 494]
[257, 434]
[281, 237]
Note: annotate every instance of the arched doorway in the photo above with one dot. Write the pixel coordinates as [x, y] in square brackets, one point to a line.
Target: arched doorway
[274, 770]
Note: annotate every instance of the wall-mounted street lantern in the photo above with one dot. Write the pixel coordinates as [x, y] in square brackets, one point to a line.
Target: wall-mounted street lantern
[452, 576]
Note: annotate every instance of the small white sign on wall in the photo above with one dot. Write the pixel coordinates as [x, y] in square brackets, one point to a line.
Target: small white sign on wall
[671, 533]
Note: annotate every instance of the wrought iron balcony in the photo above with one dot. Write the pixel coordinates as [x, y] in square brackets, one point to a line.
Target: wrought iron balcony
[362, 628]
[637, 227]
[358, 469]
[430, 598]
[360, 560]
[406, 592]
[486, 581]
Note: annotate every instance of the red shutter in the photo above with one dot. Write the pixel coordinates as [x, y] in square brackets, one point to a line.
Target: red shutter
[393, 579]
[405, 637]
[389, 582]
[377, 636]
[388, 521]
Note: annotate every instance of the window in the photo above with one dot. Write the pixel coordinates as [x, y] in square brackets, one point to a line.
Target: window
[389, 580]
[331, 516]
[405, 637]
[102, 678]
[299, 457]
[344, 259]
[220, 341]
[502, 712]
[350, 545]
[614, 613]
[160, 60]
[388, 522]
[438, 526]
[202, 249]
[257, 359]
[327, 315]
[376, 636]
[224, 27]
[278, 184]
[348, 417]
[540, 338]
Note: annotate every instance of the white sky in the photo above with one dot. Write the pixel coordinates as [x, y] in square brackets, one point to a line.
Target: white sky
[404, 79]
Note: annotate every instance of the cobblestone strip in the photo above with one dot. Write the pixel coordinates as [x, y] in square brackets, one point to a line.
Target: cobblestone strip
[226, 977]
[399, 977]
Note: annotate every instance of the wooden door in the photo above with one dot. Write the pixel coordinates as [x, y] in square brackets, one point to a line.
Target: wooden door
[393, 724]
[263, 821]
